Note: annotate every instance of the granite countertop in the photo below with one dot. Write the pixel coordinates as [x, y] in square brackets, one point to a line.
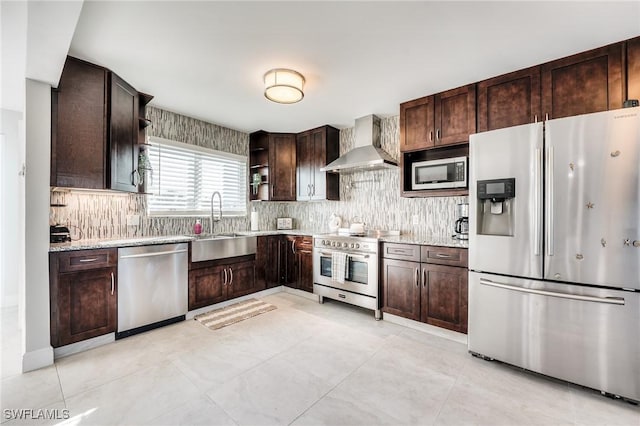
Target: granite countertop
[427, 240]
[145, 241]
[430, 240]
[120, 242]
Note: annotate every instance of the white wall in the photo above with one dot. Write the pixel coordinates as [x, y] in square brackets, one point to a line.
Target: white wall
[11, 211]
[37, 348]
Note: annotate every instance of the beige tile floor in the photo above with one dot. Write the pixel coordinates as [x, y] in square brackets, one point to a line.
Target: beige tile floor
[301, 364]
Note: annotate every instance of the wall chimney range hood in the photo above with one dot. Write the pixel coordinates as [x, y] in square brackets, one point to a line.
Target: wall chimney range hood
[367, 154]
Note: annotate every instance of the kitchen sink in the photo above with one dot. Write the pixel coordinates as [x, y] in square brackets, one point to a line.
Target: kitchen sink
[221, 246]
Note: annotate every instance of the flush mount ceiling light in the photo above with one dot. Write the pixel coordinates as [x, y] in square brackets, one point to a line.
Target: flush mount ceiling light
[283, 86]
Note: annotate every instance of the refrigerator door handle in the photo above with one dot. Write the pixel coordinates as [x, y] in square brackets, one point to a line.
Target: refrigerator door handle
[537, 204]
[608, 300]
[549, 210]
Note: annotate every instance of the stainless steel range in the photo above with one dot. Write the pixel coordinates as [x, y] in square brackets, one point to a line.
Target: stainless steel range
[345, 268]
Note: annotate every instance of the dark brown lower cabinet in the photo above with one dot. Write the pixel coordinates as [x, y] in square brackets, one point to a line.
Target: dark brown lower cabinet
[305, 269]
[444, 297]
[213, 282]
[400, 281]
[285, 260]
[299, 263]
[83, 295]
[424, 291]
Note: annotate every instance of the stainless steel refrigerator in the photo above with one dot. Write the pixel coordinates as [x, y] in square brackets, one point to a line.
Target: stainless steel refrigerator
[554, 249]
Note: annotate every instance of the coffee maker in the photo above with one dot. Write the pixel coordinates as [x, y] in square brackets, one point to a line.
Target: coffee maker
[462, 223]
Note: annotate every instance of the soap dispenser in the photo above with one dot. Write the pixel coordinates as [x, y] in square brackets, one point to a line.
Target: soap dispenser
[197, 227]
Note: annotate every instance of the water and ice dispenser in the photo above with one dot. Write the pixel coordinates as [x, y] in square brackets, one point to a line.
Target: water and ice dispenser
[496, 198]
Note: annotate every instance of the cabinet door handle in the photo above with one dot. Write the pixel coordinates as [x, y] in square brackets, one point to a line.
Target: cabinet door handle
[424, 277]
[113, 283]
[293, 247]
[431, 135]
[93, 259]
[535, 118]
[417, 277]
[231, 274]
[225, 277]
[313, 189]
[309, 190]
[437, 134]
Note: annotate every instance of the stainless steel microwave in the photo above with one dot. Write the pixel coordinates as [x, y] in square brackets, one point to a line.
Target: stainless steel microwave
[438, 174]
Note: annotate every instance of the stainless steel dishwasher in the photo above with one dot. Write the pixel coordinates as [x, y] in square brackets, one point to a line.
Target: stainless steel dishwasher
[152, 287]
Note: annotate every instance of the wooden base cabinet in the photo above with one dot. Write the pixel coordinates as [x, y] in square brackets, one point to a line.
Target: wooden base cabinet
[285, 260]
[401, 284]
[444, 297]
[213, 282]
[300, 263]
[83, 295]
[419, 283]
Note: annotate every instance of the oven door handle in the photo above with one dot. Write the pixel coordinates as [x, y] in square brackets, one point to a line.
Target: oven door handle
[362, 256]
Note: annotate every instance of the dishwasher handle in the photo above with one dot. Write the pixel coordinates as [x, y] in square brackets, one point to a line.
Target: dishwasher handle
[160, 253]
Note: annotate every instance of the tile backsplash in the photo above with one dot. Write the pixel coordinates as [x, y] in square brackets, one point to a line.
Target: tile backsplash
[373, 197]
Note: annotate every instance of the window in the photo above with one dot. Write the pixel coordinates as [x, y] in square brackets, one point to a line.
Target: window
[185, 176]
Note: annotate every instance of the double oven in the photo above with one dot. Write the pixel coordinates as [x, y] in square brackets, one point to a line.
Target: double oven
[359, 286]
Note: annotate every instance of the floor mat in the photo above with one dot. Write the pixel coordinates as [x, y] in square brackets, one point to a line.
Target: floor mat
[232, 314]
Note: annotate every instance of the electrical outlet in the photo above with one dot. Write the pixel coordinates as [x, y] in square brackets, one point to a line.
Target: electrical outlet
[415, 219]
[133, 220]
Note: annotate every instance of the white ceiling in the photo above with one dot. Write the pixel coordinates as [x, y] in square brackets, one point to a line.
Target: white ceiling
[207, 59]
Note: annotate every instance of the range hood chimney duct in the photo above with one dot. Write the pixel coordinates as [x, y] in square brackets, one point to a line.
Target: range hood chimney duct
[367, 154]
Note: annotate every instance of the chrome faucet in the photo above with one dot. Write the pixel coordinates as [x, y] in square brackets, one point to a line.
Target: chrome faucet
[220, 205]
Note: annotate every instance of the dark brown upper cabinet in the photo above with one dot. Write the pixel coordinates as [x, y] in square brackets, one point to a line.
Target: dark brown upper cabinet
[95, 129]
[123, 140]
[272, 165]
[79, 149]
[509, 100]
[455, 115]
[282, 166]
[447, 118]
[633, 68]
[417, 124]
[314, 150]
[584, 83]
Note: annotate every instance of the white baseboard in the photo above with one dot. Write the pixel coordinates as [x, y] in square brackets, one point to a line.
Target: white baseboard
[426, 328]
[262, 293]
[37, 359]
[84, 345]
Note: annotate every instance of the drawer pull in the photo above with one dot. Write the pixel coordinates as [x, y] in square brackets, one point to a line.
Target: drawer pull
[342, 296]
[88, 260]
[398, 251]
[443, 256]
[112, 283]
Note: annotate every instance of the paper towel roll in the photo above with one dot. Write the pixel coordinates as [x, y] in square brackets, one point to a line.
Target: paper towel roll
[254, 221]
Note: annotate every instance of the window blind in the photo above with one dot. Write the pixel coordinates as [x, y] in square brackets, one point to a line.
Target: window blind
[185, 176]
